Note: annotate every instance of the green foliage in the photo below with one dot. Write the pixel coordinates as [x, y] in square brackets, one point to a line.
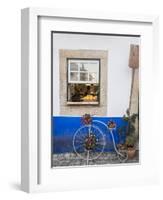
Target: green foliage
[131, 122]
[129, 130]
[130, 140]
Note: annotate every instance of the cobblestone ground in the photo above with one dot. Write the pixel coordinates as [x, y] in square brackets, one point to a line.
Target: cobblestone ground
[71, 159]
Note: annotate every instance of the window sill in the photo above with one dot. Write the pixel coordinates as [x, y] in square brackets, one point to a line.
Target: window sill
[83, 103]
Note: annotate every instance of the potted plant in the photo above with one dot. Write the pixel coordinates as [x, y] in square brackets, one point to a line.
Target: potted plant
[130, 145]
[129, 132]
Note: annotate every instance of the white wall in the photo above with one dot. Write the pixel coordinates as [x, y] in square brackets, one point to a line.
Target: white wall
[119, 74]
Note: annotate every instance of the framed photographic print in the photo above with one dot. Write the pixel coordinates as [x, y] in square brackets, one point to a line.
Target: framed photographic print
[86, 79]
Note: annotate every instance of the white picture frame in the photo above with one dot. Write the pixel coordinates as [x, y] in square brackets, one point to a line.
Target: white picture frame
[35, 169]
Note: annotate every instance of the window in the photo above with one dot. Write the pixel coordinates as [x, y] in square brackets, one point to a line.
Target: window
[83, 81]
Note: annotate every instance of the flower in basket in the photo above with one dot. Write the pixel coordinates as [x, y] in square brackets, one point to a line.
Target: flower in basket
[111, 124]
[90, 142]
[87, 119]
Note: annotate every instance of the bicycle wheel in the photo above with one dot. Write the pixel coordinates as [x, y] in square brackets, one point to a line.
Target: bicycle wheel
[122, 156]
[88, 142]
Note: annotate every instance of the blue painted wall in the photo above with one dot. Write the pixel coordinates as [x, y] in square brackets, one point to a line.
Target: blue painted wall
[64, 128]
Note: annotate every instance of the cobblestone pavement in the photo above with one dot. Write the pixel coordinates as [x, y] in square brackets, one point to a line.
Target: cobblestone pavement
[71, 159]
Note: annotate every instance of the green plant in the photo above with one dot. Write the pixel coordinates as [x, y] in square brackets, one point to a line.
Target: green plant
[130, 119]
[128, 130]
[130, 141]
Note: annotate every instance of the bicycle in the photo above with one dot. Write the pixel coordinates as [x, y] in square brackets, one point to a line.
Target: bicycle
[89, 140]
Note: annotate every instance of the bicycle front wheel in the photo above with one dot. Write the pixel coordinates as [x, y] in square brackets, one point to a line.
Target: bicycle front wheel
[89, 142]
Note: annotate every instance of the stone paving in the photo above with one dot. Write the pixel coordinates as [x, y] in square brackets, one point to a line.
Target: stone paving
[71, 159]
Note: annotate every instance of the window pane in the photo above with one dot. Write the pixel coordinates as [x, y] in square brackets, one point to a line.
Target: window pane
[83, 67]
[90, 66]
[83, 93]
[73, 66]
[73, 76]
[93, 77]
[83, 76]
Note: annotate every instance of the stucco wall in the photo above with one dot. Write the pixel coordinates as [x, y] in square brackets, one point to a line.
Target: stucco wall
[118, 73]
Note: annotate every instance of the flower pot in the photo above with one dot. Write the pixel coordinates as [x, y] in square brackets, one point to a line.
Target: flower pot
[131, 153]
